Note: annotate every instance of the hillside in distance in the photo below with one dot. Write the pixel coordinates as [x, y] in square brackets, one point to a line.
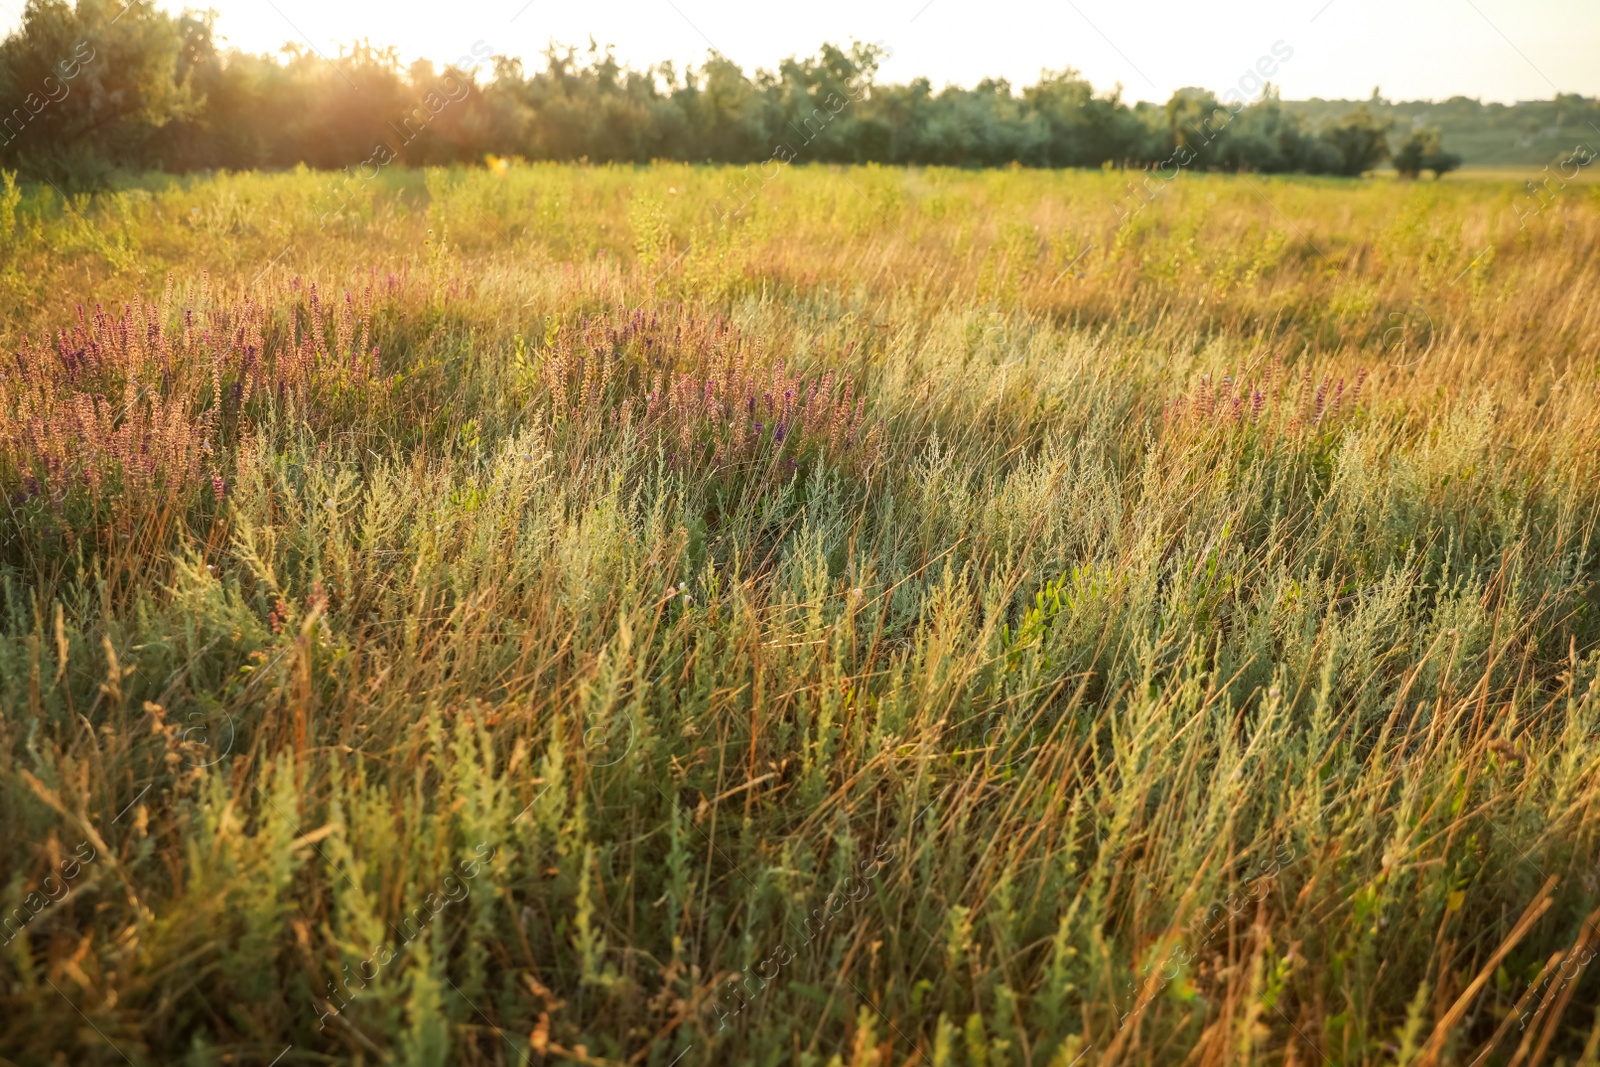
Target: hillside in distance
[1529, 132]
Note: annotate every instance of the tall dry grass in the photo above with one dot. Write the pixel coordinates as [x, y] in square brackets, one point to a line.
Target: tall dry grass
[924, 617]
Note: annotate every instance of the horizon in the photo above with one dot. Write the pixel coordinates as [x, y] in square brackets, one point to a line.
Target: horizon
[1493, 53]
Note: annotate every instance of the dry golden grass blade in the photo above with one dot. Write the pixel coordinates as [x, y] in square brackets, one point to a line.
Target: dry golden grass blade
[1535, 910]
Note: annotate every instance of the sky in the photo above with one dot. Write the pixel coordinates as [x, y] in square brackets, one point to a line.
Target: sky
[1503, 50]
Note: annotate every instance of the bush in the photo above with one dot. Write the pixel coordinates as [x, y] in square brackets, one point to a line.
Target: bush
[1423, 151]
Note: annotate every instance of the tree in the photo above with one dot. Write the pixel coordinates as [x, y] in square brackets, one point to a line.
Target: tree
[1441, 162]
[92, 84]
[1358, 142]
[1423, 150]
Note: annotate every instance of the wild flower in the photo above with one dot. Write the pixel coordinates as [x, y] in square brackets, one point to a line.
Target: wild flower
[707, 392]
[1232, 402]
[124, 405]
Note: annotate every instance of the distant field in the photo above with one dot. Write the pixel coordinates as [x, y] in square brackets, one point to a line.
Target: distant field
[683, 615]
[1573, 175]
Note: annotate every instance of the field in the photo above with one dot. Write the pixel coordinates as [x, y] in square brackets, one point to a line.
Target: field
[544, 614]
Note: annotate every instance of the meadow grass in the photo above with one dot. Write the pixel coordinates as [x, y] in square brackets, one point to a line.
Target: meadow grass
[544, 615]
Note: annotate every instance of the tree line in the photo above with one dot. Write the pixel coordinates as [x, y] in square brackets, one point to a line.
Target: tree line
[97, 87]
